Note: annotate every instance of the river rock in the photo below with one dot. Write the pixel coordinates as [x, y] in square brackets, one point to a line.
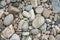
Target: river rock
[8, 19]
[23, 25]
[34, 3]
[15, 37]
[13, 9]
[7, 32]
[25, 33]
[39, 9]
[34, 31]
[26, 14]
[32, 14]
[46, 12]
[38, 21]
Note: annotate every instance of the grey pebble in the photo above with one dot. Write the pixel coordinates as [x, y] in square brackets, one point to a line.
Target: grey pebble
[8, 19]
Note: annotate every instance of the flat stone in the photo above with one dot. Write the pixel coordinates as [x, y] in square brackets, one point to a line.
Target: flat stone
[34, 31]
[39, 9]
[34, 3]
[25, 33]
[8, 19]
[13, 9]
[57, 37]
[32, 14]
[26, 14]
[7, 32]
[51, 37]
[46, 12]
[38, 21]
[15, 37]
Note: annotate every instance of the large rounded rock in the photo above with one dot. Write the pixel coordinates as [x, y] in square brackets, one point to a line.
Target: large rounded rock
[8, 19]
[38, 21]
[15, 37]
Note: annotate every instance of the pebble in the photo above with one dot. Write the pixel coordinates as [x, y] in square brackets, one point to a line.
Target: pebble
[34, 31]
[55, 6]
[23, 25]
[15, 37]
[26, 14]
[28, 7]
[43, 28]
[13, 0]
[51, 37]
[46, 12]
[57, 37]
[44, 0]
[13, 9]
[35, 39]
[38, 21]
[34, 3]
[3, 3]
[1, 12]
[8, 19]
[39, 9]
[25, 33]
[56, 16]
[1, 6]
[28, 38]
[32, 14]
[7, 32]
[1, 24]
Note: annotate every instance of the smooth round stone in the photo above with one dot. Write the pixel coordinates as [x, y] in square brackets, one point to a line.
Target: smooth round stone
[15, 37]
[28, 38]
[39, 9]
[57, 37]
[51, 37]
[8, 19]
[38, 21]
[34, 31]
[25, 33]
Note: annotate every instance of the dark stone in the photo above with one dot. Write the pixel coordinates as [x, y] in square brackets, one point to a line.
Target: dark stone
[1, 6]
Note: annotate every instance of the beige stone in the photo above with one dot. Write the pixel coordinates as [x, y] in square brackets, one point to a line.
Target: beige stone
[46, 12]
[1, 12]
[57, 37]
[7, 32]
[12, 9]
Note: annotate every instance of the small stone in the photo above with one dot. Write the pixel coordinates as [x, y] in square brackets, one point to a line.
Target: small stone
[44, 0]
[38, 35]
[3, 3]
[1, 12]
[23, 25]
[12, 9]
[55, 6]
[35, 39]
[28, 7]
[46, 12]
[39, 9]
[32, 14]
[34, 3]
[57, 37]
[25, 33]
[57, 29]
[51, 37]
[28, 38]
[1, 6]
[8, 19]
[56, 17]
[26, 14]
[39, 2]
[20, 16]
[15, 37]
[7, 32]
[13, 0]
[34, 31]
[43, 28]
[38, 21]
[1, 24]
